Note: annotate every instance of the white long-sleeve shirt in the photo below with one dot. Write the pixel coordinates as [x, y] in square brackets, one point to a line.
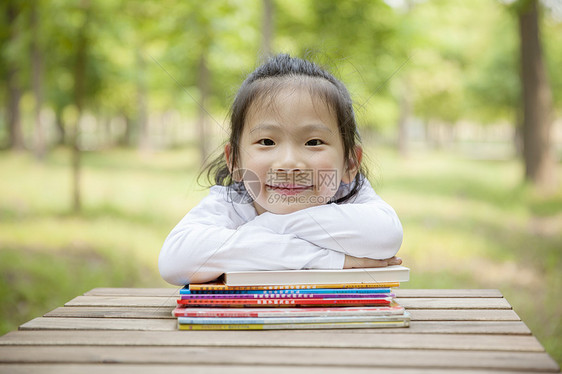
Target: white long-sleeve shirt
[220, 235]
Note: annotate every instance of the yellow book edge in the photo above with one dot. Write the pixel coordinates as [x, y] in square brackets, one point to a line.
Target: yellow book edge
[220, 286]
[296, 326]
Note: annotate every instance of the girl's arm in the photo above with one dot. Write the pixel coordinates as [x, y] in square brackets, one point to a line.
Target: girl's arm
[367, 227]
[211, 239]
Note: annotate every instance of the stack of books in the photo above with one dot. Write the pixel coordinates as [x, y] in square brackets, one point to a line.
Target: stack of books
[295, 299]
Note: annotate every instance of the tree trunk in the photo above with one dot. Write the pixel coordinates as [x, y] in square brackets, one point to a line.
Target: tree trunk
[404, 116]
[61, 129]
[267, 28]
[126, 138]
[13, 118]
[537, 102]
[39, 146]
[203, 86]
[518, 133]
[79, 94]
[107, 140]
[142, 94]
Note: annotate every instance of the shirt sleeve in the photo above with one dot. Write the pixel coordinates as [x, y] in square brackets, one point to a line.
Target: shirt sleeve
[366, 227]
[210, 240]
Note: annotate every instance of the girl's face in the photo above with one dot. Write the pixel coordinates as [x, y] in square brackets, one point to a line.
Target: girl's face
[291, 153]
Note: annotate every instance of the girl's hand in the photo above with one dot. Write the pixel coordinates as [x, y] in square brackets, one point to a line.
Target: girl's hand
[358, 262]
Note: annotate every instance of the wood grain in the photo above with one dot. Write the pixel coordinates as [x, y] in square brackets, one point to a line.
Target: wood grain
[111, 312]
[299, 338]
[454, 303]
[166, 312]
[338, 357]
[126, 330]
[409, 303]
[121, 368]
[132, 301]
[443, 327]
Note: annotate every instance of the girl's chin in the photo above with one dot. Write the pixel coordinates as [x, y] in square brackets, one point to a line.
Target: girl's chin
[282, 208]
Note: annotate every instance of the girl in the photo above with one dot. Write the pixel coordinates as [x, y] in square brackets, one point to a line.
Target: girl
[290, 191]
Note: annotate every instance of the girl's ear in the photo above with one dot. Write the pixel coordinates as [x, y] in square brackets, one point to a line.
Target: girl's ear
[353, 163]
[230, 164]
[228, 156]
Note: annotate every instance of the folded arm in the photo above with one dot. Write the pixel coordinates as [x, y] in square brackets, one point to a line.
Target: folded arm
[368, 229]
[206, 244]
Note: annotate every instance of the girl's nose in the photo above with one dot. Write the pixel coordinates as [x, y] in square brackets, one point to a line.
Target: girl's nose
[289, 161]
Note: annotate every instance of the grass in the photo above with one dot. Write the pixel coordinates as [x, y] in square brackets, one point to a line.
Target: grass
[474, 224]
[468, 224]
[48, 255]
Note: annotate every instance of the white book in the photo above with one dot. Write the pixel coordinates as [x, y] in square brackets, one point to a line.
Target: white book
[395, 273]
[287, 320]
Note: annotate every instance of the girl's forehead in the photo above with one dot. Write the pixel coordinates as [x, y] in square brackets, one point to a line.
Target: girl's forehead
[272, 101]
[292, 110]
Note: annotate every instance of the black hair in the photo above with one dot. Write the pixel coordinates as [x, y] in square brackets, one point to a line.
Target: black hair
[278, 72]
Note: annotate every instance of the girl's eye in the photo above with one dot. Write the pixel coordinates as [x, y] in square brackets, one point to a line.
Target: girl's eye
[266, 142]
[314, 142]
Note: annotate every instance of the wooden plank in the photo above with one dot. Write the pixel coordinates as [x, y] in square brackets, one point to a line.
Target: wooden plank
[454, 303]
[410, 303]
[456, 327]
[437, 293]
[445, 327]
[337, 357]
[279, 339]
[116, 291]
[463, 315]
[111, 312]
[400, 292]
[132, 301]
[154, 312]
[49, 323]
[109, 368]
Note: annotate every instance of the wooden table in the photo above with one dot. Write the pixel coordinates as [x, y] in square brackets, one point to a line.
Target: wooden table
[117, 330]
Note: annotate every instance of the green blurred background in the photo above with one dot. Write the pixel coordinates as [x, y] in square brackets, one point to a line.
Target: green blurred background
[110, 107]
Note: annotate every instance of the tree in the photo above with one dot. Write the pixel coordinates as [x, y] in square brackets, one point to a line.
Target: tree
[80, 65]
[203, 81]
[537, 101]
[267, 28]
[39, 144]
[354, 39]
[405, 104]
[13, 82]
[142, 99]
[492, 81]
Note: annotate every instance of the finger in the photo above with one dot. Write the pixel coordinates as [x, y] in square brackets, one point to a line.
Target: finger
[376, 263]
[352, 262]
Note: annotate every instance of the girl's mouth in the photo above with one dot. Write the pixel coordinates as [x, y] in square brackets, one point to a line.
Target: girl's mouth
[288, 189]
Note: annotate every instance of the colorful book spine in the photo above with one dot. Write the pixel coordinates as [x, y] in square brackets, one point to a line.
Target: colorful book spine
[285, 320]
[298, 326]
[288, 312]
[186, 291]
[215, 306]
[284, 296]
[285, 302]
[224, 287]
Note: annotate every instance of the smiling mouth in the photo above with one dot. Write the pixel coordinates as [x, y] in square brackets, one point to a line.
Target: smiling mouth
[288, 188]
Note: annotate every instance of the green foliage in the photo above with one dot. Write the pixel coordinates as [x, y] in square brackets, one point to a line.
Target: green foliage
[552, 31]
[472, 224]
[48, 255]
[461, 58]
[464, 219]
[356, 40]
[468, 224]
[35, 281]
